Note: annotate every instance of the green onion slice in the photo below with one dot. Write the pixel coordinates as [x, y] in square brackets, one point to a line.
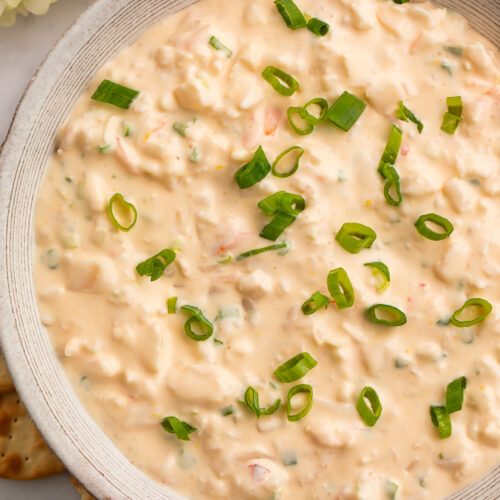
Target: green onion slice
[175, 426]
[381, 272]
[115, 94]
[295, 390]
[392, 188]
[391, 150]
[318, 27]
[388, 315]
[323, 110]
[456, 51]
[295, 368]
[155, 266]
[455, 395]
[441, 419]
[369, 414]
[117, 204]
[304, 115]
[226, 411]
[428, 233]
[346, 111]
[406, 115]
[453, 116]
[295, 167]
[254, 171]
[218, 45]
[258, 251]
[292, 15]
[180, 128]
[285, 207]
[340, 288]
[315, 303]
[274, 76]
[353, 237]
[400, 2]
[481, 306]
[197, 317]
[172, 305]
[252, 403]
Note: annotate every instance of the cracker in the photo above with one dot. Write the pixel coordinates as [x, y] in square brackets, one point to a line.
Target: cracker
[6, 383]
[23, 452]
[85, 494]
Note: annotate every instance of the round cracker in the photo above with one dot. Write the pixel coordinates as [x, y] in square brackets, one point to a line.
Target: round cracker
[6, 383]
[85, 494]
[23, 452]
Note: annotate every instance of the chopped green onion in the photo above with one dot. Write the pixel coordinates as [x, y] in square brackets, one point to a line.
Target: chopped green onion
[115, 94]
[391, 150]
[392, 185]
[456, 51]
[318, 27]
[225, 259]
[346, 111]
[258, 251]
[51, 258]
[428, 233]
[155, 266]
[406, 115]
[195, 156]
[391, 489]
[369, 414]
[295, 390]
[289, 458]
[484, 308]
[217, 341]
[455, 395]
[323, 110]
[453, 116]
[252, 403]
[295, 368]
[400, 2]
[104, 149]
[218, 45]
[226, 411]
[197, 317]
[285, 207]
[340, 288]
[315, 303]
[295, 167]
[353, 237]
[454, 105]
[254, 171]
[117, 202]
[380, 270]
[172, 305]
[175, 426]
[180, 128]
[292, 15]
[441, 419]
[391, 316]
[127, 129]
[274, 76]
[304, 115]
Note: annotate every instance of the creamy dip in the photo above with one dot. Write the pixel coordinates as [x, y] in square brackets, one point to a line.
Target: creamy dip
[201, 114]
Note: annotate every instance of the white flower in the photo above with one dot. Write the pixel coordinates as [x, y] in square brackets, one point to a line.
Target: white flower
[10, 8]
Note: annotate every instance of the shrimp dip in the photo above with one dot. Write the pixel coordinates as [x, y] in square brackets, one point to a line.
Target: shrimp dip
[267, 251]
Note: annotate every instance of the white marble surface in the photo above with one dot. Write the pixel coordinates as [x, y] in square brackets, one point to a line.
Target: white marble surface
[22, 48]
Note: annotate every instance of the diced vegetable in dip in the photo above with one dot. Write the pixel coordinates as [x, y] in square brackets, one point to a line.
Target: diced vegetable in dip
[268, 250]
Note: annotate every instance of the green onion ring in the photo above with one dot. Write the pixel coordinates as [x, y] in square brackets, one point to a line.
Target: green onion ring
[392, 176]
[315, 303]
[310, 118]
[340, 288]
[280, 156]
[119, 199]
[295, 390]
[478, 302]
[197, 316]
[398, 315]
[295, 368]
[440, 418]
[367, 414]
[302, 113]
[429, 233]
[318, 27]
[273, 75]
[353, 237]
[252, 403]
[380, 269]
[291, 14]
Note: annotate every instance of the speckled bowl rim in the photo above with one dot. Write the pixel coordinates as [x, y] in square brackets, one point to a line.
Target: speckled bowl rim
[103, 30]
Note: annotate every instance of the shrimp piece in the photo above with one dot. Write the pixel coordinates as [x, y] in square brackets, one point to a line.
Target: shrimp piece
[272, 120]
[229, 241]
[127, 156]
[405, 150]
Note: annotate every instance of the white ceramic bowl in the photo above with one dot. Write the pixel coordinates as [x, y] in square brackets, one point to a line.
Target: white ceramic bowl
[107, 27]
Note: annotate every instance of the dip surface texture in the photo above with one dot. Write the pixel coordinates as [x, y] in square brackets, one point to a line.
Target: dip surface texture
[202, 112]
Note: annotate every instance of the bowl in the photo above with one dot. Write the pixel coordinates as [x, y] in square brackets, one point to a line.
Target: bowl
[104, 29]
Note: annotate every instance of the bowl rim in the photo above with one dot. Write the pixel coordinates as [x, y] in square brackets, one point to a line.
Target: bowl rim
[98, 478]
